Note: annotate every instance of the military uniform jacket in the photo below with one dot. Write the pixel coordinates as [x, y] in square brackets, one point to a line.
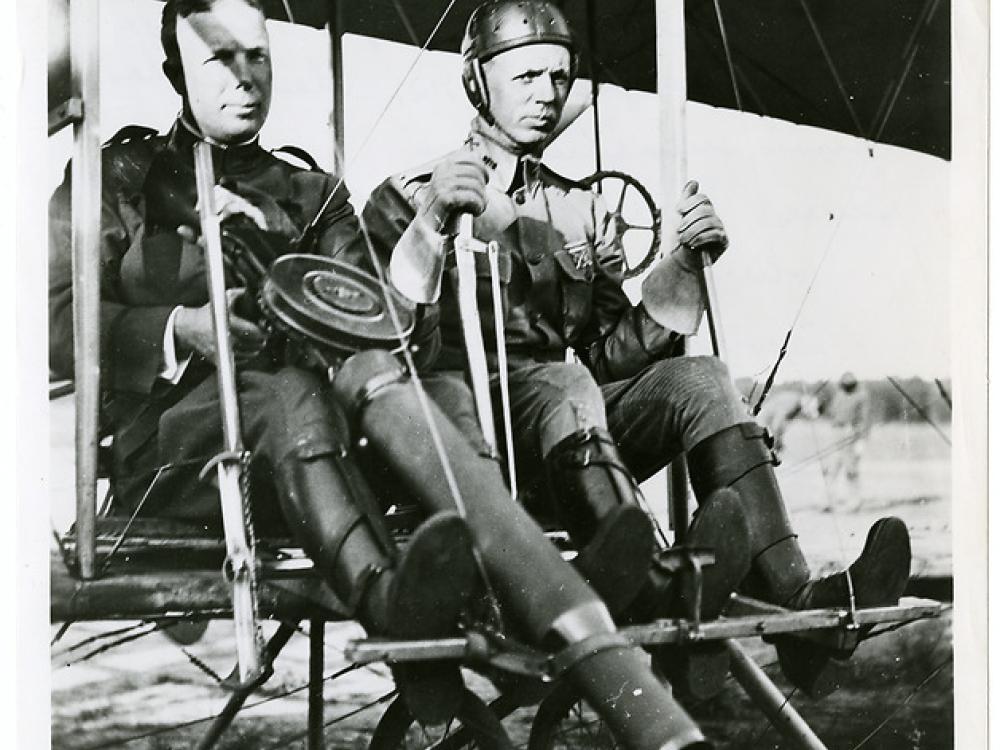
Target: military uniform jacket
[147, 270]
[560, 267]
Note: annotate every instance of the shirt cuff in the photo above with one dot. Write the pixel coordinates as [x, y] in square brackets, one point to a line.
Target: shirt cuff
[417, 263]
[172, 370]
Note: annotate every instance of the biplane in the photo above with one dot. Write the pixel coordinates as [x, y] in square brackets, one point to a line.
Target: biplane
[114, 567]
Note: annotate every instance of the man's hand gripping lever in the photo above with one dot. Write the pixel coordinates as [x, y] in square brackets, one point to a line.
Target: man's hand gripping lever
[229, 464]
[681, 286]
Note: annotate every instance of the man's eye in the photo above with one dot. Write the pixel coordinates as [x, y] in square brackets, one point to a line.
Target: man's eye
[257, 56]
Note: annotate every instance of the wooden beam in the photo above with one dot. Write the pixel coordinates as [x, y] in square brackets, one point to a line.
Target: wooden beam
[130, 596]
[85, 209]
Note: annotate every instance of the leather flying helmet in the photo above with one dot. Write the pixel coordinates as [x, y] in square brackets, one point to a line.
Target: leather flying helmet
[498, 26]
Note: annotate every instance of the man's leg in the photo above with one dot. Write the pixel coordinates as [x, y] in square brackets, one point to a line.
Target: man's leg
[699, 410]
[328, 505]
[331, 509]
[561, 439]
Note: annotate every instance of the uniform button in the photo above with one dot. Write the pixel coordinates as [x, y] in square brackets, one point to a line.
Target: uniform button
[535, 258]
[519, 198]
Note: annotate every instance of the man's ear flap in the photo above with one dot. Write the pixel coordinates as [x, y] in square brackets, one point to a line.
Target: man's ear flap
[175, 74]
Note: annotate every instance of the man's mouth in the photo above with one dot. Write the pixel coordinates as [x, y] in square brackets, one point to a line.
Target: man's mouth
[244, 108]
[543, 121]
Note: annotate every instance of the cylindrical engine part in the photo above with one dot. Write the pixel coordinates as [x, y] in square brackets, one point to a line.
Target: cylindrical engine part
[639, 709]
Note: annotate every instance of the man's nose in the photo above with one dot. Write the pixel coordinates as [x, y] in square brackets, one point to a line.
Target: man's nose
[242, 69]
[545, 89]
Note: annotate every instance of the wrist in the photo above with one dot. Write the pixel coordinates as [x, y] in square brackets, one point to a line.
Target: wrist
[687, 258]
[434, 218]
[182, 327]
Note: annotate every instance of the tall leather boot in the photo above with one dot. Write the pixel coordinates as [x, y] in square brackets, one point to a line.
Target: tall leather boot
[698, 670]
[739, 458]
[418, 594]
[595, 500]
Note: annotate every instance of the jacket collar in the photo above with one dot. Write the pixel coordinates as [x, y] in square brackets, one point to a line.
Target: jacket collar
[229, 159]
[508, 168]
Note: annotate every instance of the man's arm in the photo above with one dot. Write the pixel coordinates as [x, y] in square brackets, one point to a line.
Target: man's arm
[131, 338]
[388, 218]
[621, 339]
[624, 339]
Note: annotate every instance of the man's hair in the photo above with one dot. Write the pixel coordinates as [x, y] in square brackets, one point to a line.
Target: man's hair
[172, 10]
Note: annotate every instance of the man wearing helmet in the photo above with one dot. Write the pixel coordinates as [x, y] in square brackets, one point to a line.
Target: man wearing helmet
[560, 266]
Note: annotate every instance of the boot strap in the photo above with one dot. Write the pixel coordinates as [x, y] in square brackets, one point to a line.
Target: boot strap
[361, 585]
[574, 653]
[721, 459]
[775, 543]
[593, 446]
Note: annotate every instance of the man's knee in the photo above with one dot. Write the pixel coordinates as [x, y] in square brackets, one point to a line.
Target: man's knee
[297, 415]
[700, 392]
[564, 398]
[567, 381]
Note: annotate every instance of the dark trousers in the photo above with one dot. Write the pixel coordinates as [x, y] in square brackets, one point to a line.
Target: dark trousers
[281, 412]
[665, 409]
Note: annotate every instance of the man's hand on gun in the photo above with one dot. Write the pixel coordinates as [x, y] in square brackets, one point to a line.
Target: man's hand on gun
[193, 330]
[193, 325]
[457, 186]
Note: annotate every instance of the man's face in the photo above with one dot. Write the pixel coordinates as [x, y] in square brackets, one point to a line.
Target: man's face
[225, 56]
[528, 87]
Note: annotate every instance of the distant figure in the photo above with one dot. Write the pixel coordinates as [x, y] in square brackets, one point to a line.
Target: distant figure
[849, 411]
[782, 407]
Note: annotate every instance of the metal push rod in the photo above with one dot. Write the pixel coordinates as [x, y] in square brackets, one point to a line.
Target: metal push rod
[770, 700]
[335, 28]
[468, 305]
[84, 21]
[240, 561]
[225, 717]
[671, 88]
[317, 636]
[594, 82]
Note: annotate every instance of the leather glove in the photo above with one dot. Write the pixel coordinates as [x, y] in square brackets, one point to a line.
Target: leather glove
[458, 185]
[699, 229]
[671, 292]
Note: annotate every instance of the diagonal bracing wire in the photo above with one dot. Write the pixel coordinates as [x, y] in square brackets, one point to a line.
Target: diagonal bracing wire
[286, 741]
[833, 70]
[919, 410]
[933, 673]
[943, 391]
[909, 55]
[729, 55]
[204, 719]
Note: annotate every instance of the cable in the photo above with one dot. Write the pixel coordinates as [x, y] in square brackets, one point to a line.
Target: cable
[920, 411]
[833, 70]
[204, 719]
[933, 673]
[286, 741]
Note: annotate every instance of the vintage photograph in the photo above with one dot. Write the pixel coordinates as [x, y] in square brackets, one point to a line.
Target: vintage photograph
[502, 374]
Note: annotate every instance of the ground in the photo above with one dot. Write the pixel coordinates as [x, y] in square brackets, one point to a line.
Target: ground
[897, 690]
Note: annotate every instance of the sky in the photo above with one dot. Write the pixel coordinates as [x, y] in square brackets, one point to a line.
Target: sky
[852, 246]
